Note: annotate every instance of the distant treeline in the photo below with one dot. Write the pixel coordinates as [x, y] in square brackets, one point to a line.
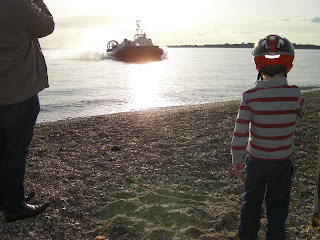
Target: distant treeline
[242, 45]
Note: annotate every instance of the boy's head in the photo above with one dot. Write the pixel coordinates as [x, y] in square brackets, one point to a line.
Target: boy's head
[271, 70]
[273, 55]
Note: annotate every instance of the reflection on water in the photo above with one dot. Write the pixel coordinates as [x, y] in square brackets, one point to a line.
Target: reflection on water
[146, 85]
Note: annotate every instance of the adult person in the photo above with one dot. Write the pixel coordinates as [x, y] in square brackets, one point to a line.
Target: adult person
[23, 74]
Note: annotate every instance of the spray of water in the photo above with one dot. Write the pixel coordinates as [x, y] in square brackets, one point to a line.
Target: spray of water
[86, 54]
[76, 54]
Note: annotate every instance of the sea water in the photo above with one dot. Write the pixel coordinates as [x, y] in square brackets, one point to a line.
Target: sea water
[87, 83]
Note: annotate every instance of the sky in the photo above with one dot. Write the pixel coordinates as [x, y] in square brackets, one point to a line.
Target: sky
[92, 24]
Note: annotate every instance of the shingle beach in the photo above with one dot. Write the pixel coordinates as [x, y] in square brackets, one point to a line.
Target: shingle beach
[157, 174]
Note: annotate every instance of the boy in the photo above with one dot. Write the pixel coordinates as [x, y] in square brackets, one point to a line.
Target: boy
[265, 128]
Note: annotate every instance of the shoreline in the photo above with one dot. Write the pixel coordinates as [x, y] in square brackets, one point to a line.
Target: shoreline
[158, 108]
[152, 109]
[162, 173]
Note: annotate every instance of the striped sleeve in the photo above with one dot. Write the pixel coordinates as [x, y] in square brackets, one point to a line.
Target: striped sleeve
[301, 109]
[241, 133]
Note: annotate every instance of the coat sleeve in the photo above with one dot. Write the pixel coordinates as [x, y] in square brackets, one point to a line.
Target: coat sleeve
[241, 133]
[31, 18]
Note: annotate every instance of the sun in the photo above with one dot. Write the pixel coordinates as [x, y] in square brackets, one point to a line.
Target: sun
[166, 15]
[163, 19]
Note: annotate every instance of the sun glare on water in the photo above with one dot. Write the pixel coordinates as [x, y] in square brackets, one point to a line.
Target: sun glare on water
[146, 85]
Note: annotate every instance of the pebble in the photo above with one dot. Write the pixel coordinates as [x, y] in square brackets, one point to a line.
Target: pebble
[179, 148]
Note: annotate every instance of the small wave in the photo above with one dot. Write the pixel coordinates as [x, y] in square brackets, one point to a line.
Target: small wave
[86, 103]
[165, 52]
[308, 88]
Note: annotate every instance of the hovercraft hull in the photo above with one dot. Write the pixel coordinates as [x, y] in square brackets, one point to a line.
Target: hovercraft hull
[138, 53]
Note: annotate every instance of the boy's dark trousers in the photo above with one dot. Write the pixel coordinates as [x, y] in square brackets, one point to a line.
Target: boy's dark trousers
[270, 180]
[17, 123]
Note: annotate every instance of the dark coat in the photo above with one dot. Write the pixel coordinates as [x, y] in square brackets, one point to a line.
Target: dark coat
[23, 71]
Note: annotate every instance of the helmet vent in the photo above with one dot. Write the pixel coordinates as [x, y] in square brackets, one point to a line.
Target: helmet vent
[281, 42]
[272, 44]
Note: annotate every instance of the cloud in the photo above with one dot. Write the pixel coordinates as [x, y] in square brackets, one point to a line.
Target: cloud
[198, 34]
[85, 21]
[246, 33]
[315, 20]
[294, 19]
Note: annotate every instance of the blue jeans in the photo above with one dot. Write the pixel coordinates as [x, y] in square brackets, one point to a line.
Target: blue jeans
[270, 180]
[17, 122]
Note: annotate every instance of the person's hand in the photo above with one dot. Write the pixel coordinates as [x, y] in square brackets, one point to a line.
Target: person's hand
[237, 168]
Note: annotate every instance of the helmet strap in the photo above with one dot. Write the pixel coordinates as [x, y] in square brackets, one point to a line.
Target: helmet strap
[260, 75]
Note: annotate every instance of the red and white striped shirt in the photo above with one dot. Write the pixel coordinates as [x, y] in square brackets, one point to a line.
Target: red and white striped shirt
[266, 122]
